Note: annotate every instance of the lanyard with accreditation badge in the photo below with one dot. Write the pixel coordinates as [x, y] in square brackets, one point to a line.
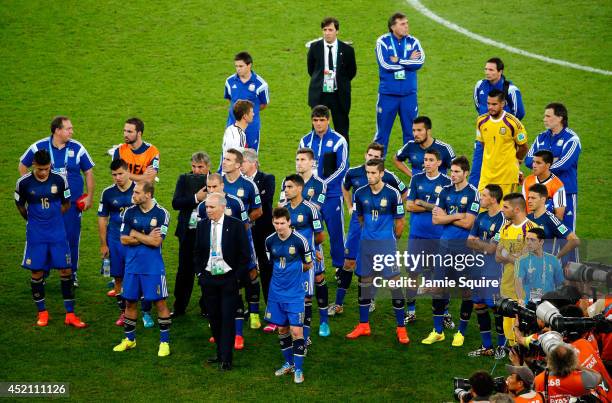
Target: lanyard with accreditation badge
[312, 134]
[401, 74]
[61, 171]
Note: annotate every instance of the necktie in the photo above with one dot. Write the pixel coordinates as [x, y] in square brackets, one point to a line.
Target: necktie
[214, 237]
[330, 57]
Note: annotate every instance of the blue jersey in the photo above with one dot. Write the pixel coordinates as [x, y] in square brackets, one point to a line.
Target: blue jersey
[287, 257]
[566, 148]
[313, 191]
[553, 229]
[485, 228]
[398, 78]
[245, 189]
[70, 160]
[514, 104]
[305, 220]
[455, 201]
[233, 208]
[44, 205]
[378, 211]
[143, 259]
[539, 275]
[113, 203]
[255, 89]
[427, 189]
[333, 145]
[356, 177]
[415, 154]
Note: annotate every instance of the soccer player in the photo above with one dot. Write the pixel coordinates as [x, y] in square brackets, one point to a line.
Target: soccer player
[234, 136]
[456, 209]
[413, 151]
[564, 143]
[291, 256]
[542, 160]
[68, 158]
[143, 230]
[42, 196]
[331, 163]
[380, 211]
[537, 272]
[511, 244]
[424, 189]
[246, 85]
[305, 220]
[482, 241]
[554, 230]
[114, 200]
[354, 179]
[504, 140]
[142, 158]
[399, 56]
[245, 189]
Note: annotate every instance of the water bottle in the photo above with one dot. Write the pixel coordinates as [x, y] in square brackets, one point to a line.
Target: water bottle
[106, 267]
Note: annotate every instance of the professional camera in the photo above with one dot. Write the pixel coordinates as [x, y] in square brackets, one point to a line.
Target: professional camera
[550, 315]
[590, 272]
[462, 386]
[527, 317]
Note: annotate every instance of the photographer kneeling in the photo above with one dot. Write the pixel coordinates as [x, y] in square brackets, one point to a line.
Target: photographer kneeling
[520, 384]
[482, 386]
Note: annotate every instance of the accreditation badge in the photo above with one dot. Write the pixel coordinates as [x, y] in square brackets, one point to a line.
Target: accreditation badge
[240, 192]
[153, 222]
[383, 202]
[464, 200]
[193, 219]
[300, 218]
[292, 250]
[400, 75]
[329, 81]
[53, 189]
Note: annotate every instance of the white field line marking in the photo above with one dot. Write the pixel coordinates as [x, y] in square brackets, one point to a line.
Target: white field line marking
[450, 25]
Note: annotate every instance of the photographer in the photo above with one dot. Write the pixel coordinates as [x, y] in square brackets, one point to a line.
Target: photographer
[520, 385]
[563, 377]
[482, 387]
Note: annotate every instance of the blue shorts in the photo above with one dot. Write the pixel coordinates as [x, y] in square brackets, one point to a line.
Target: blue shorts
[351, 246]
[319, 267]
[457, 250]
[308, 282]
[151, 287]
[285, 313]
[425, 249]
[117, 258]
[46, 256]
[370, 258]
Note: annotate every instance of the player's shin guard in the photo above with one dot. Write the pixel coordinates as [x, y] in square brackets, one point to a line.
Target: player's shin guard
[484, 323]
[364, 297]
[344, 282]
[120, 302]
[322, 294]
[253, 289]
[499, 328]
[286, 347]
[239, 318]
[398, 306]
[307, 318]
[465, 313]
[164, 329]
[38, 293]
[67, 285]
[145, 305]
[129, 327]
[298, 353]
[438, 305]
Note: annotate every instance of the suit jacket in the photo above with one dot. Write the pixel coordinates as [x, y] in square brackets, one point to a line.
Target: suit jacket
[266, 183]
[346, 69]
[183, 201]
[234, 246]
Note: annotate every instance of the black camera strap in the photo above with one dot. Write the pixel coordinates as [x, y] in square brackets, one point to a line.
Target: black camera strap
[546, 385]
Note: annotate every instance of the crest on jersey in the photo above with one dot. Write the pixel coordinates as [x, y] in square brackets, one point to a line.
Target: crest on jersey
[559, 142]
[70, 153]
[383, 202]
[502, 130]
[53, 189]
[329, 143]
[240, 192]
[228, 211]
[464, 200]
[310, 192]
[300, 218]
[292, 250]
[251, 87]
[438, 189]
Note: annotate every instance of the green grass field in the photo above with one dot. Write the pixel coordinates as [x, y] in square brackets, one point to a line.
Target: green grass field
[100, 62]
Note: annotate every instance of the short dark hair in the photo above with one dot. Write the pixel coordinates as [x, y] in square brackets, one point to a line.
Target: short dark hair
[495, 93]
[58, 123]
[539, 232]
[516, 199]
[136, 122]
[482, 383]
[396, 16]
[378, 163]
[296, 179]
[242, 107]
[495, 191]
[462, 162]
[423, 119]
[320, 111]
[434, 152]
[546, 155]
[330, 20]
[540, 189]
[244, 56]
[42, 157]
[559, 110]
[376, 147]
[280, 212]
[498, 63]
[118, 163]
[306, 150]
[148, 187]
[238, 154]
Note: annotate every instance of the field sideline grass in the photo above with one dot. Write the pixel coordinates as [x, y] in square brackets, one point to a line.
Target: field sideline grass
[101, 62]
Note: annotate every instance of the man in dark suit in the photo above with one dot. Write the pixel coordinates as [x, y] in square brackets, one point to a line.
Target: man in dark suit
[221, 258]
[262, 228]
[190, 191]
[331, 66]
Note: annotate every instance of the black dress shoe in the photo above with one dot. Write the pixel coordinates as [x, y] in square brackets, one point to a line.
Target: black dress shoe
[175, 314]
[225, 366]
[213, 360]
